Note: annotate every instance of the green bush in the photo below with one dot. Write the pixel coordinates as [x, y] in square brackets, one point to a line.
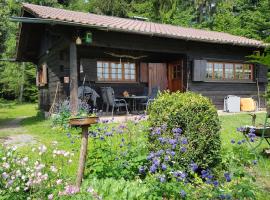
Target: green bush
[198, 119]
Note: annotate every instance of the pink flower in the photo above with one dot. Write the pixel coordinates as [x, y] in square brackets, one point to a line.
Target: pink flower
[69, 190]
[50, 196]
[58, 182]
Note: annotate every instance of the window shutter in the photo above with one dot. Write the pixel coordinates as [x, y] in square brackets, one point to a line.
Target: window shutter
[89, 67]
[262, 73]
[199, 70]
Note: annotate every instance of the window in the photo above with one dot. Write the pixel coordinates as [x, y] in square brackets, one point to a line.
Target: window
[116, 72]
[177, 71]
[229, 71]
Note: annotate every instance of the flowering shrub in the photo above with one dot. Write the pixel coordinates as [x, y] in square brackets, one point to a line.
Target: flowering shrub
[186, 128]
[118, 149]
[22, 177]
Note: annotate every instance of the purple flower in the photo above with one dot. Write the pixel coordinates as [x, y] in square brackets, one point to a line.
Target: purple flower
[162, 140]
[166, 158]
[150, 156]
[215, 183]
[141, 169]
[172, 153]
[243, 141]
[156, 162]
[183, 149]
[164, 127]
[227, 176]
[239, 142]
[101, 138]
[108, 134]
[194, 166]
[184, 141]
[232, 141]
[153, 169]
[163, 167]
[255, 162]
[162, 179]
[159, 153]
[180, 175]
[172, 141]
[205, 173]
[177, 130]
[183, 194]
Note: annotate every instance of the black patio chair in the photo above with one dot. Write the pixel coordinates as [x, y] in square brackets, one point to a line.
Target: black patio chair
[115, 103]
[151, 97]
[104, 98]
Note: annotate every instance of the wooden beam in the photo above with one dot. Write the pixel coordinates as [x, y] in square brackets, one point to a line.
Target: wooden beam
[73, 78]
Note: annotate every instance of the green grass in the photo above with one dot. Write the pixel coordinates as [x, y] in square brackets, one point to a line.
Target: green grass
[42, 131]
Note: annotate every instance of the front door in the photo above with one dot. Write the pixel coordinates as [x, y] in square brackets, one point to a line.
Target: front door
[176, 76]
[157, 76]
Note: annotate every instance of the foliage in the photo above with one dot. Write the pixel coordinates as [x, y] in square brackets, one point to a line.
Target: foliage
[197, 117]
[22, 177]
[118, 149]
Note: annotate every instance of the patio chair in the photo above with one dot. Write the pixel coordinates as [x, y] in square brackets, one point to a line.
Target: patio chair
[104, 98]
[115, 103]
[151, 97]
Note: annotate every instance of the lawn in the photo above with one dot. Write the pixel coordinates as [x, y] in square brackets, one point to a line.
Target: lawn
[69, 140]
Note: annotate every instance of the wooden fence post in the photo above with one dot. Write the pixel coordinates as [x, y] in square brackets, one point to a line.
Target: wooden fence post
[73, 78]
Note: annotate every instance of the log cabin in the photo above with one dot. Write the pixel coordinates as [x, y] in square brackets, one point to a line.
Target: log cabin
[132, 55]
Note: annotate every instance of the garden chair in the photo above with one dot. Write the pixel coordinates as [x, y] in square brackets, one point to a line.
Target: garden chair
[151, 97]
[115, 103]
[104, 98]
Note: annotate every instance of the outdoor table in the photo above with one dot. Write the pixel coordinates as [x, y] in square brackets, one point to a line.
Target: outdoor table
[134, 100]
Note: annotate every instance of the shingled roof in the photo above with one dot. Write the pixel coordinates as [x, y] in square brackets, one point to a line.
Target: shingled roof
[137, 26]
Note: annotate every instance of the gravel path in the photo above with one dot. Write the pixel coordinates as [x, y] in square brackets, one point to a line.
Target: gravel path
[16, 134]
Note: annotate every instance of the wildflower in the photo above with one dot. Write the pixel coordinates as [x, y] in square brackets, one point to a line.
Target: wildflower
[177, 130]
[153, 169]
[53, 169]
[184, 141]
[141, 169]
[17, 189]
[42, 149]
[4, 158]
[172, 141]
[172, 153]
[162, 140]
[54, 143]
[58, 181]
[150, 156]
[243, 141]
[14, 148]
[215, 183]
[254, 162]
[6, 165]
[232, 141]
[69, 161]
[162, 179]
[239, 142]
[183, 149]
[50, 196]
[108, 134]
[183, 194]
[166, 158]
[159, 153]
[69, 135]
[163, 167]
[5, 175]
[156, 162]
[227, 176]
[90, 190]
[205, 173]
[194, 166]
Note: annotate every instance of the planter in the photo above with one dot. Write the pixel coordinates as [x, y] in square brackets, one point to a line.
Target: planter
[83, 121]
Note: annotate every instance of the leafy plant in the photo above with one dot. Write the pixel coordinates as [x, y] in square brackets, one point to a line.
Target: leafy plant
[197, 117]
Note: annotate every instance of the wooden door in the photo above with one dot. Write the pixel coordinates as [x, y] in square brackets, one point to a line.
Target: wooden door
[176, 76]
[157, 76]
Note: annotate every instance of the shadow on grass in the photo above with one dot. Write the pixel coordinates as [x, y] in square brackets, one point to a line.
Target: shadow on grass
[33, 119]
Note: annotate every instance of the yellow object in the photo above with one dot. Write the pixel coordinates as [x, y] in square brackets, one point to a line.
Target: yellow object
[247, 104]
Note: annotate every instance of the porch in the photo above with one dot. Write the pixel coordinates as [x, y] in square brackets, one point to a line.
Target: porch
[132, 74]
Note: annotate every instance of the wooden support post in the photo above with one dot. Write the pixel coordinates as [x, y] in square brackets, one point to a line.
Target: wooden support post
[73, 78]
[83, 154]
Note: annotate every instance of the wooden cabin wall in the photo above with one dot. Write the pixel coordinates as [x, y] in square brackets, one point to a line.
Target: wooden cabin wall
[56, 57]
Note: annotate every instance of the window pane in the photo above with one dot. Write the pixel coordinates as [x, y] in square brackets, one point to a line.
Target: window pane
[238, 71]
[229, 73]
[209, 70]
[218, 71]
[247, 71]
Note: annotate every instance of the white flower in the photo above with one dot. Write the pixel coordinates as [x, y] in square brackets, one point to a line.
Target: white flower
[69, 161]
[25, 159]
[13, 177]
[50, 196]
[6, 165]
[53, 168]
[17, 189]
[33, 149]
[5, 175]
[18, 173]
[66, 154]
[14, 148]
[54, 143]
[23, 177]
[42, 149]
[58, 182]
[4, 158]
